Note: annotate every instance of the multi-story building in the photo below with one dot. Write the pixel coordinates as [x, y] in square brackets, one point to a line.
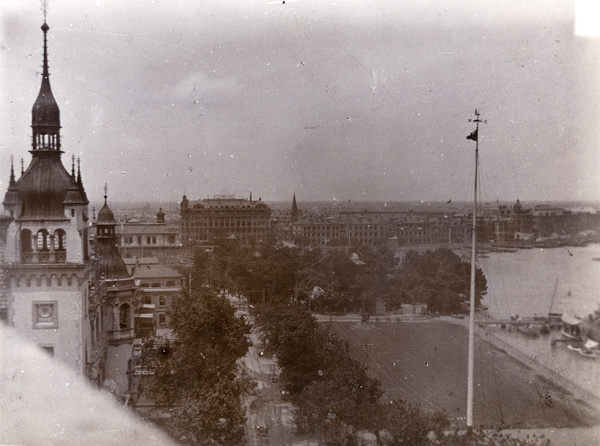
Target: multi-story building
[49, 273]
[157, 238]
[157, 286]
[72, 301]
[224, 217]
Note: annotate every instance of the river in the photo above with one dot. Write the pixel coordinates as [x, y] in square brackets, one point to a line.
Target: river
[531, 282]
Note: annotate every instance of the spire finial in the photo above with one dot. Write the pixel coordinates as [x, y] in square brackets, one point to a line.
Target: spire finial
[45, 28]
[79, 171]
[105, 192]
[45, 7]
[73, 167]
[22, 166]
[12, 170]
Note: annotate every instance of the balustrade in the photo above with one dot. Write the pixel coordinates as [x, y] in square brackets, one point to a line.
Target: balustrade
[44, 257]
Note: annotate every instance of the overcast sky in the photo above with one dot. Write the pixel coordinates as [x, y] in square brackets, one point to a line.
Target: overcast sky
[332, 100]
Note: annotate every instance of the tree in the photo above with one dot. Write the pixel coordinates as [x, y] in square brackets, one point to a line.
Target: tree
[332, 393]
[407, 423]
[439, 278]
[197, 373]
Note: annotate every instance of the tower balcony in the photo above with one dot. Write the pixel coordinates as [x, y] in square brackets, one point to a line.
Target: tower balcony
[41, 257]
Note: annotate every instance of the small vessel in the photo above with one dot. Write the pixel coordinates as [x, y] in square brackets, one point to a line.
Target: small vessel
[571, 327]
[589, 349]
[528, 330]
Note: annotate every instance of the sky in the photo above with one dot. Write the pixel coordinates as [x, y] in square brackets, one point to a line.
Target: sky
[330, 100]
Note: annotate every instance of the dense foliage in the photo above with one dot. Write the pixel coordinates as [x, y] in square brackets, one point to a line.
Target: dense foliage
[334, 397]
[341, 280]
[333, 394]
[439, 278]
[196, 373]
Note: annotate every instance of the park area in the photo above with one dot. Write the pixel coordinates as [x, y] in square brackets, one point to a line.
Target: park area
[426, 362]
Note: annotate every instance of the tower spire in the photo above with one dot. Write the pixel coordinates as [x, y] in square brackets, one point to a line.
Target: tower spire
[12, 181]
[45, 115]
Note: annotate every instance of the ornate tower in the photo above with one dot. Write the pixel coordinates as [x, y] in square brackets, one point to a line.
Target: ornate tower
[46, 252]
[117, 284]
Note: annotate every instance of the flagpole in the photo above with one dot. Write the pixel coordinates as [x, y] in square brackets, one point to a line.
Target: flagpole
[470, 369]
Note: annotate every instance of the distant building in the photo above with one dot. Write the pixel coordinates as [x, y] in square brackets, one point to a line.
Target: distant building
[224, 217]
[149, 239]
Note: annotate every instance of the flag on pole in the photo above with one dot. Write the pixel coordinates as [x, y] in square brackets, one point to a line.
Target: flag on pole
[473, 135]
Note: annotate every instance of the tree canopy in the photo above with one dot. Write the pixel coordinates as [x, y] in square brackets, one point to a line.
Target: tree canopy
[196, 373]
[439, 278]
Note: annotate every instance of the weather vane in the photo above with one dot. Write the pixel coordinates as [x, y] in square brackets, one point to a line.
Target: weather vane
[474, 136]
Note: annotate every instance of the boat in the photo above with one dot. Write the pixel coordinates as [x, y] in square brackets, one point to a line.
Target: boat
[571, 327]
[583, 334]
[589, 349]
[529, 330]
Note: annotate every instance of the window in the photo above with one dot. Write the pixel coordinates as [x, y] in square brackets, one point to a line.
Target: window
[162, 318]
[42, 240]
[59, 240]
[45, 314]
[147, 300]
[171, 283]
[162, 301]
[124, 317]
[26, 241]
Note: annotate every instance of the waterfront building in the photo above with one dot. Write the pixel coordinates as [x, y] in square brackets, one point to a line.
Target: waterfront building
[343, 229]
[224, 217]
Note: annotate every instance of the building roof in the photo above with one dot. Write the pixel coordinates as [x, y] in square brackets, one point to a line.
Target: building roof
[153, 272]
[45, 186]
[141, 261]
[110, 262]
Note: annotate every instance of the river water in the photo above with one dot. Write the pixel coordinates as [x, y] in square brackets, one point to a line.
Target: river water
[534, 282]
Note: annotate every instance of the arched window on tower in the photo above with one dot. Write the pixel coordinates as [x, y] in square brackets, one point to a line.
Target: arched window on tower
[26, 245]
[124, 317]
[59, 240]
[42, 240]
